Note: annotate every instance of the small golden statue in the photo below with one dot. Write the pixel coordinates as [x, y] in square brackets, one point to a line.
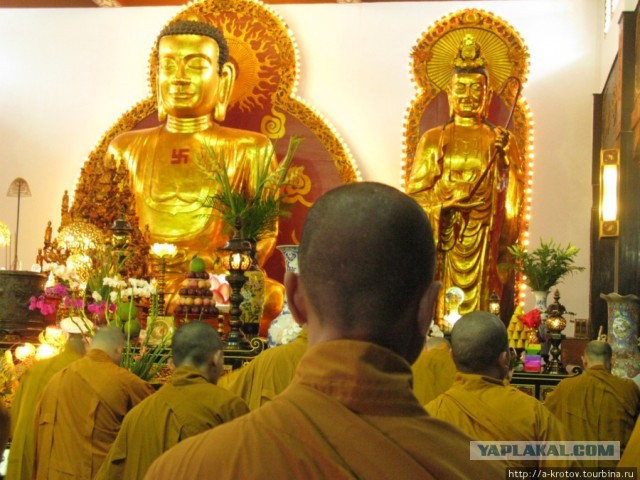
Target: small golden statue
[467, 176]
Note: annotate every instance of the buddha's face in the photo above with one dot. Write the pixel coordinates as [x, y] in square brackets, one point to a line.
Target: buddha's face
[468, 96]
[188, 75]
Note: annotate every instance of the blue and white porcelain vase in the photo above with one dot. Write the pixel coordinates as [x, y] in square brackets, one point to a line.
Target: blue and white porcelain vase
[622, 333]
[283, 328]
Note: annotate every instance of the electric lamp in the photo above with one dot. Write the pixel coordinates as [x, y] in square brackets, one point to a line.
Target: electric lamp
[609, 182]
[494, 304]
[238, 261]
[25, 351]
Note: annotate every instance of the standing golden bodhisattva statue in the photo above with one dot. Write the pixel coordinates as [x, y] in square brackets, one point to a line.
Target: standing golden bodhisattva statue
[195, 82]
[467, 176]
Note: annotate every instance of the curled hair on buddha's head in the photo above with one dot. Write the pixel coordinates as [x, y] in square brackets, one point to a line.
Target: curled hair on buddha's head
[190, 27]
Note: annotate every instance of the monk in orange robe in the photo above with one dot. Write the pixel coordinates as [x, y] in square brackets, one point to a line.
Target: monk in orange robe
[190, 403]
[480, 402]
[631, 455]
[268, 374]
[23, 407]
[349, 412]
[433, 371]
[596, 406]
[82, 407]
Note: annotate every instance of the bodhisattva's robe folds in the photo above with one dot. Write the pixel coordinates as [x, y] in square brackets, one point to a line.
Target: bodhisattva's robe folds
[596, 406]
[268, 374]
[433, 373]
[472, 204]
[487, 409]
[80, 413]
[23, 407]
[187, 405]
[349, 413]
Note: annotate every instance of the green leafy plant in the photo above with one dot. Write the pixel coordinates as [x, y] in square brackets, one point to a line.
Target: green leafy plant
[258, 210]
[545, 266]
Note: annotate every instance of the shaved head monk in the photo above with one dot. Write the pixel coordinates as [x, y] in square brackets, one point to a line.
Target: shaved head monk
[23, 407]
[366, 294]
[190, 403]
[596, 406]
[434, 370]
[82, 407]
[479, 402]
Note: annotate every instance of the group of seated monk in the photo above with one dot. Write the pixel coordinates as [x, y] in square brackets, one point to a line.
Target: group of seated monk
[337, 402]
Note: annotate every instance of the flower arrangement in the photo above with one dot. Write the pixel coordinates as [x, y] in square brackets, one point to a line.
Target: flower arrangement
[283, 330]
[259, 210]
[531, 319]
[112, 301]
[545, 266]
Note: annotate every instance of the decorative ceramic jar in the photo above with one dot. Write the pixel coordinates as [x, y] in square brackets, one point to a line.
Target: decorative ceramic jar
[283, 328]
[622, 333]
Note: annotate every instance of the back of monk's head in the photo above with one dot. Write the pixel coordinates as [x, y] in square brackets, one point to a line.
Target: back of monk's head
[110, 340]
[366, 258]
[76, 343]
[478, 340]
[598, 353]
[198, 344]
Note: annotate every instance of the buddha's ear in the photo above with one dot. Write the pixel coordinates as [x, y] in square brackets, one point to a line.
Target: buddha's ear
[162, 113]
[227, 78]
[487, 103]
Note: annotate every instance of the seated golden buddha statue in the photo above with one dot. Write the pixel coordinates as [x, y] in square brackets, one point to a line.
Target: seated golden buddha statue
[467, 176]
[194, 84]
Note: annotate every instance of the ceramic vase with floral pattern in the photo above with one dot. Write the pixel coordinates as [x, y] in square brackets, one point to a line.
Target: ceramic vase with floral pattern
[283, 328]
[623, 312]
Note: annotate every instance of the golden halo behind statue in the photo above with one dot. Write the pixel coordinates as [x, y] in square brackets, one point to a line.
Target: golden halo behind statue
[502, 48]
[494, 51]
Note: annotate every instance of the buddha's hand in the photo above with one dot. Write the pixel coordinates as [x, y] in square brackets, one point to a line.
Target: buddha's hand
[501, 140]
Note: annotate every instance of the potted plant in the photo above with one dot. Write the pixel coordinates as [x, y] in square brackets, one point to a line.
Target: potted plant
[256, 210]
[259, 210]
[545, 266]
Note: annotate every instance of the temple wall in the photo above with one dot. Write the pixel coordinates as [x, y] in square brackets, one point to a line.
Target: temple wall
[67, 75]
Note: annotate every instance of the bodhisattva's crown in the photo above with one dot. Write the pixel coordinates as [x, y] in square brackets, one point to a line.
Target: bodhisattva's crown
[469, 55]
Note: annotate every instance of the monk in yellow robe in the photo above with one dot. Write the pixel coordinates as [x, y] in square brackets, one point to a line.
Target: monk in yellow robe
[190, 403]
[631, 455]
[171, 165]
[349, 412]
[81, 409]
[480, 402]
[23, 407]
[433, 371]
[268, 374]
[596, 406]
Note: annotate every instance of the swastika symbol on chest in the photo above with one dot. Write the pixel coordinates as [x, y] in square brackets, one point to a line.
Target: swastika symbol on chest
[180, 155]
